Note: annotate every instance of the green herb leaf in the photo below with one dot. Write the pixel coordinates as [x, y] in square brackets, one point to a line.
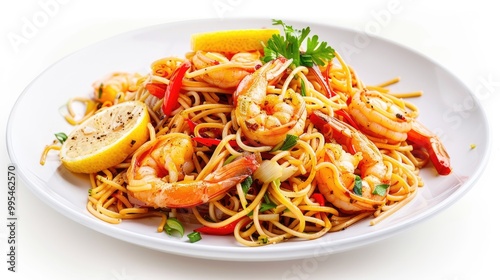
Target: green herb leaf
[289, 46]
[318, 52]
[61, 137]
[380, 189]
[358, 186]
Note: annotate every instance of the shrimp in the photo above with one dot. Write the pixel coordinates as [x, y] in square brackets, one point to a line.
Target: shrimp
[340, 185]
[386, 117]
[379, 116]
[115, 86]
[266, 118]
[222, 72]
[157, 175]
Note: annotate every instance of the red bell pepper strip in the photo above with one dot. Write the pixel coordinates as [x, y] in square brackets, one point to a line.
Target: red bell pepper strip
[191, 125]
[156, 89]
[225, 230]
[319, 198]
[213, 142]
[347, 118]
[173, 88]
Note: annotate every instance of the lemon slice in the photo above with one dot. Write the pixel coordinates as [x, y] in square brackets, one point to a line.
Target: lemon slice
[107, 138]
[232, 41]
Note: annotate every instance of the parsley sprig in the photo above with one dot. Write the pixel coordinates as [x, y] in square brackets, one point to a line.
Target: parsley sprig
[289, 46]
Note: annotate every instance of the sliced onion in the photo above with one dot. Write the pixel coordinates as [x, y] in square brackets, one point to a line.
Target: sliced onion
[268, 171]
[288, 172]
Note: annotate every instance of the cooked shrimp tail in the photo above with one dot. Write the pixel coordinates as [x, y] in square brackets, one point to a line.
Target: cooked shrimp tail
[383, 116]
[339, 182]
[423, 137]
[157, 175]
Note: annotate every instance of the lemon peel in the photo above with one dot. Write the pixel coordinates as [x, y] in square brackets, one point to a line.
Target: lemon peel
[232, 41]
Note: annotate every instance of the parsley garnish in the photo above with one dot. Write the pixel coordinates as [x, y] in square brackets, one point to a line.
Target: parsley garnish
[380, 189]
[358, 186]
[290, 47]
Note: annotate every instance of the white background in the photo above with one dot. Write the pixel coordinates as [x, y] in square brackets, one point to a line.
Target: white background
[460, 243]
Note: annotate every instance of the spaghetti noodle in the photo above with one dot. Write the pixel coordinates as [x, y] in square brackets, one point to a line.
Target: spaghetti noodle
[316, 185]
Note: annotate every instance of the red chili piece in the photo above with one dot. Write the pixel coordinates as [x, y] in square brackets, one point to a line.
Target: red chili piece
[225, 230]
[319, 198]
[213, 142]
[156, 89]
[173, 88]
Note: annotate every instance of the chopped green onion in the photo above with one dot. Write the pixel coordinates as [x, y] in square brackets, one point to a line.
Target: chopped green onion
[290, 142]
[194, 236]
[61, 137]
[263, 239]
[173, 225]
[229, 159]
[302, 87]
[380, 189]
[246, 184]
[268, 204]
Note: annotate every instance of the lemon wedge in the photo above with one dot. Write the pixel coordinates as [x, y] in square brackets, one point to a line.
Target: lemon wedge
[232, 41]
[107, 138]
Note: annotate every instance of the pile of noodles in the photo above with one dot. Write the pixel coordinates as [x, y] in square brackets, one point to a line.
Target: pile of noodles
[268, 212]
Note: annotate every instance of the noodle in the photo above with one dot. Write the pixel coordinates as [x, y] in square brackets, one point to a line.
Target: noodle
[281, 207]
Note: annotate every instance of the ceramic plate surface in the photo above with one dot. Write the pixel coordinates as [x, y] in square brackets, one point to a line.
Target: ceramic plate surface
[375, 60]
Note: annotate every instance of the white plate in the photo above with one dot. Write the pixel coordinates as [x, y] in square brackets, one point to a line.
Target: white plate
[34, 120]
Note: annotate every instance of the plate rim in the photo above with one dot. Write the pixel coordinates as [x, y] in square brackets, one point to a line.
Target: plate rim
[262, 253]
